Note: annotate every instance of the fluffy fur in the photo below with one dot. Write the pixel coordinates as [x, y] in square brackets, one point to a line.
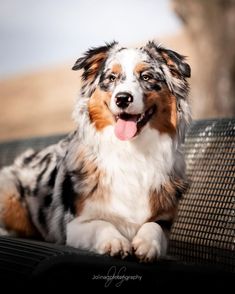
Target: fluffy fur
[113, 185]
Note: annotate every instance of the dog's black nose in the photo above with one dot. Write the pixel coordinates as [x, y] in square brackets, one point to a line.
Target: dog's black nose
[123, 99]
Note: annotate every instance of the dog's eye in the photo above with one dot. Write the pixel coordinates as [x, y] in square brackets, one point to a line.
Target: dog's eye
[145, 77]
[112, 78]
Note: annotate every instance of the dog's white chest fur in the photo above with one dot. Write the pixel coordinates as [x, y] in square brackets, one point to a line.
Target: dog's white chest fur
[131, 171]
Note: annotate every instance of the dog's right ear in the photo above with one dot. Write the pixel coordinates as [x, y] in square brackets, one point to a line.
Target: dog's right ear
[92, 62]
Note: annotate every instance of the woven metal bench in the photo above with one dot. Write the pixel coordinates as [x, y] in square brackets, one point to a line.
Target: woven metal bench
[202, 240]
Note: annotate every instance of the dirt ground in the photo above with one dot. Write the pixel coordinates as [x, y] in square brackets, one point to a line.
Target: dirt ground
[41, 103]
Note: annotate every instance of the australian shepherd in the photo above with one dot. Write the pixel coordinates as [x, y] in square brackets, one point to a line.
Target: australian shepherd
[113, 185]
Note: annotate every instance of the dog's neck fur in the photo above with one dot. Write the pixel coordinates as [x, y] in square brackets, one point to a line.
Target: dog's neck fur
[150, 146]
[132, 169]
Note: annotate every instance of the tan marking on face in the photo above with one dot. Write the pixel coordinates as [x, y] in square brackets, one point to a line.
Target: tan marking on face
[165, 118]
[16, 218]
[116, 68]
[99, 113]
[140, 67]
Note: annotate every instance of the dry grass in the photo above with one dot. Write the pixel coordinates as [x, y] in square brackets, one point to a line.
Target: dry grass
[38, 104]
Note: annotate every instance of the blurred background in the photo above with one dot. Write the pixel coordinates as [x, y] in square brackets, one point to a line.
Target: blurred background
[41, 40]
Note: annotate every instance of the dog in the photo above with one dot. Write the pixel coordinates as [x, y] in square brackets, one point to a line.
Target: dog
[113, 185]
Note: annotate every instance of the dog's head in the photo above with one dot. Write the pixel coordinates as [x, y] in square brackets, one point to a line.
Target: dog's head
[134, 88]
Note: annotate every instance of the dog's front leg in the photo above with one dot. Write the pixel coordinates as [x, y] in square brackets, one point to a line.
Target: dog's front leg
[97, 236]
[150, 242]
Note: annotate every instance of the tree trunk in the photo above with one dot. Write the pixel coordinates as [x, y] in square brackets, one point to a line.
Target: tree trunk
[211, 26]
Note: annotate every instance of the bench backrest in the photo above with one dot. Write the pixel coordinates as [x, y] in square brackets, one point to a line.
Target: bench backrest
[204, 231]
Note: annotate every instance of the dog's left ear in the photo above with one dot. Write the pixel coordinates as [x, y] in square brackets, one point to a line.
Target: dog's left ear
[175, 62]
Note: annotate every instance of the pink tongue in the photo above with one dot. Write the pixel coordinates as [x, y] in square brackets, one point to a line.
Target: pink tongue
[125, 129]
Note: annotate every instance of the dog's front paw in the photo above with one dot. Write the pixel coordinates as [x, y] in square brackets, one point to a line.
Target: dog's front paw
[145, 250]
[150, 242]
[115, 247]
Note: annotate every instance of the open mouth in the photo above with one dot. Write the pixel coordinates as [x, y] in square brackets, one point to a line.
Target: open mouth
[129, 125]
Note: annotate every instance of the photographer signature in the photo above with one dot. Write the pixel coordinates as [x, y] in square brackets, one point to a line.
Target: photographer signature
[116, 275]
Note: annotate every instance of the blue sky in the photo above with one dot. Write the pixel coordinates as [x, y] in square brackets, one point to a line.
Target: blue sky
[36, 34]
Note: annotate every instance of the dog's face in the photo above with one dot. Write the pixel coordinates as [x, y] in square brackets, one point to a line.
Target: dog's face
[131, 89]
